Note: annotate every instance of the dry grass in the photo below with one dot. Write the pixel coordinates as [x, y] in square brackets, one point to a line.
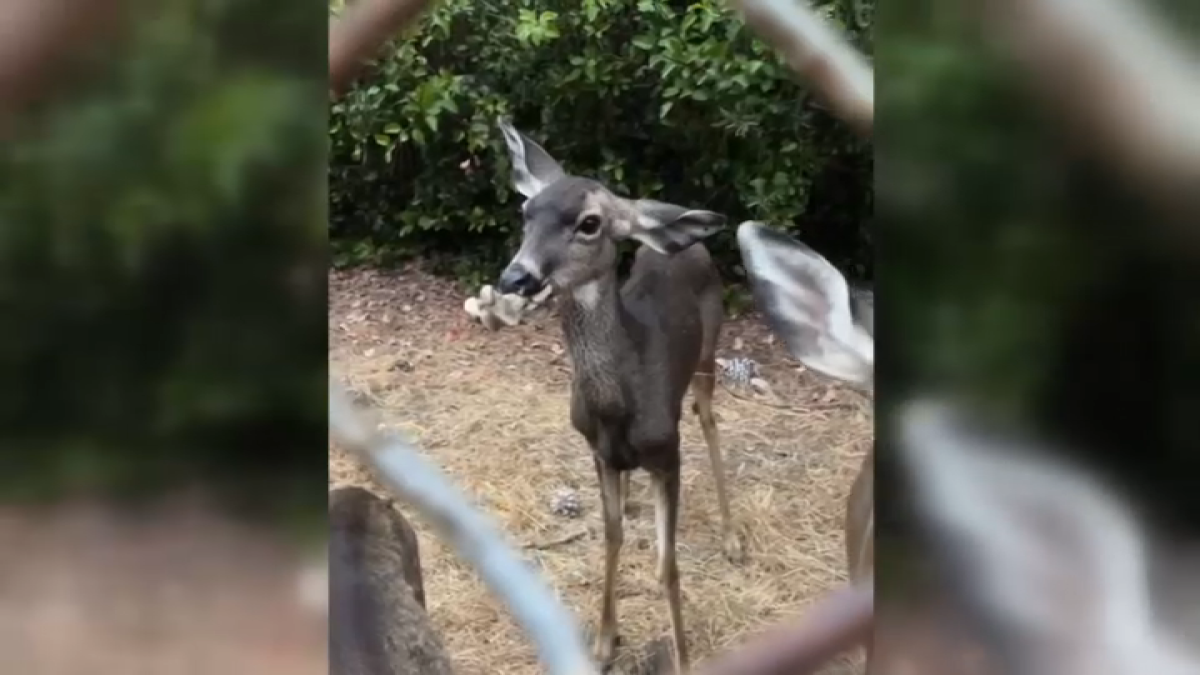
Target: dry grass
[492, 410]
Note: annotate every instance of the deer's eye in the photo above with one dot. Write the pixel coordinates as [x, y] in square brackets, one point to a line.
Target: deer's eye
[589, 226]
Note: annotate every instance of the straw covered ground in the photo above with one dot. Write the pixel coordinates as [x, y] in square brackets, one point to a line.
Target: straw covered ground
[491, 409]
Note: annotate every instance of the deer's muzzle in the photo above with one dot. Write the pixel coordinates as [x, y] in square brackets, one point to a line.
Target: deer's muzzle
[517, 279]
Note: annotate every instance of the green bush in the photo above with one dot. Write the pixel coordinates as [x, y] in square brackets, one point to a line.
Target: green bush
[163, 254]
[665, 99]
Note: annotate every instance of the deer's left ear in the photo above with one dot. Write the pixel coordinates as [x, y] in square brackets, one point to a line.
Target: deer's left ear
[808, 303]
[532, 167]
[668, 228]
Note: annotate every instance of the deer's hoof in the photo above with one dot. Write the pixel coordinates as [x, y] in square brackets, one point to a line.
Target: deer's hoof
[604, 648]
[734, 552]
[657, 658]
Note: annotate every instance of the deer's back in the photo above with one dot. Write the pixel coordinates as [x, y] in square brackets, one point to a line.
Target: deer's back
[691, 269]
[681, 292]
[677, 301]
[377, 624]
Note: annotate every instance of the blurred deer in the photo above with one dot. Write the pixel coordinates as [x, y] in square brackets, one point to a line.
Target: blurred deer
[829, 327]
[1053, 560]
[377, 619]
[636, 346]
[1053, 563]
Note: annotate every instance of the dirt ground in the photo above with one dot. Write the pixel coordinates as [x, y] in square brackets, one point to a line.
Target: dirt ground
[492, 409]
[178, 591]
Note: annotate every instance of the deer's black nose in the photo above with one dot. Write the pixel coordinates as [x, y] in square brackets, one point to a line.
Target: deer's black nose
[517, 279]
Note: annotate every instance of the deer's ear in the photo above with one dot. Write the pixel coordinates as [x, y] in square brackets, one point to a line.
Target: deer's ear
[668, 228]
[808, 304]
[532, 167]
[1052, 559]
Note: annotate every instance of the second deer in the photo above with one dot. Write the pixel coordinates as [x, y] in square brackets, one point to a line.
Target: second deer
[830, 328]
[377, 619]
[636, 347]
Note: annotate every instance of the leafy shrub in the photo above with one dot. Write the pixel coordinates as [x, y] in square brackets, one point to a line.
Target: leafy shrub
[163, 253]
[665, 99]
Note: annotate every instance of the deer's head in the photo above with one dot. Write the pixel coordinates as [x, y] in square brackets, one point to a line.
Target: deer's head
[572, 224]
[825, 324]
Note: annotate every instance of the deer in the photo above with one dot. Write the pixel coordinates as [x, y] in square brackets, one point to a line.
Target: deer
[636, 346]
[1071, 598]
[377, 619]
[828, 326]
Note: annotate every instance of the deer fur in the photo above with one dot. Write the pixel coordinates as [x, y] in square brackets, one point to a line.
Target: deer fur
[636, 346]
[377, 619]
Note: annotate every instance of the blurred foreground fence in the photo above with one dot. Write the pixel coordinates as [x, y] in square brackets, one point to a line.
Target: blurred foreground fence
[46, 31]
[1154, 139]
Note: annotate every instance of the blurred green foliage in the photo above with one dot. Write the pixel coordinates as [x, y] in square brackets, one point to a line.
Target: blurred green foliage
[667, 99]
[162, 262]
[1019, 276]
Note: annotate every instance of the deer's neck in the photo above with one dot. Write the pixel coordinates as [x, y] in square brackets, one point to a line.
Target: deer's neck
[592, 326]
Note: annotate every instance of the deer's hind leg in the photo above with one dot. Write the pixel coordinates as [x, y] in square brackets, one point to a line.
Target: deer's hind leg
[627, 508]
[703, 383]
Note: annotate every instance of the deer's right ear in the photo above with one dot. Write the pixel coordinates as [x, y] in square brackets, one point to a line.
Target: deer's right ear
[532, 167]
[807, 302]
[669, 228]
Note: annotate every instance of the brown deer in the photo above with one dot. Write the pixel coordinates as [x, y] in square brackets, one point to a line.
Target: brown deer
[636, 347]
[1057, 561]
[377, 619]
[829, 327]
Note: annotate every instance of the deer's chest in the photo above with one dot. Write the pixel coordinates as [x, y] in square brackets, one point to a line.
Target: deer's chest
[627, 424]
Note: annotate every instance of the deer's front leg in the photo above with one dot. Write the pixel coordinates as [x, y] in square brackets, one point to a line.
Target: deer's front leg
[611, 500]
[666, 519]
